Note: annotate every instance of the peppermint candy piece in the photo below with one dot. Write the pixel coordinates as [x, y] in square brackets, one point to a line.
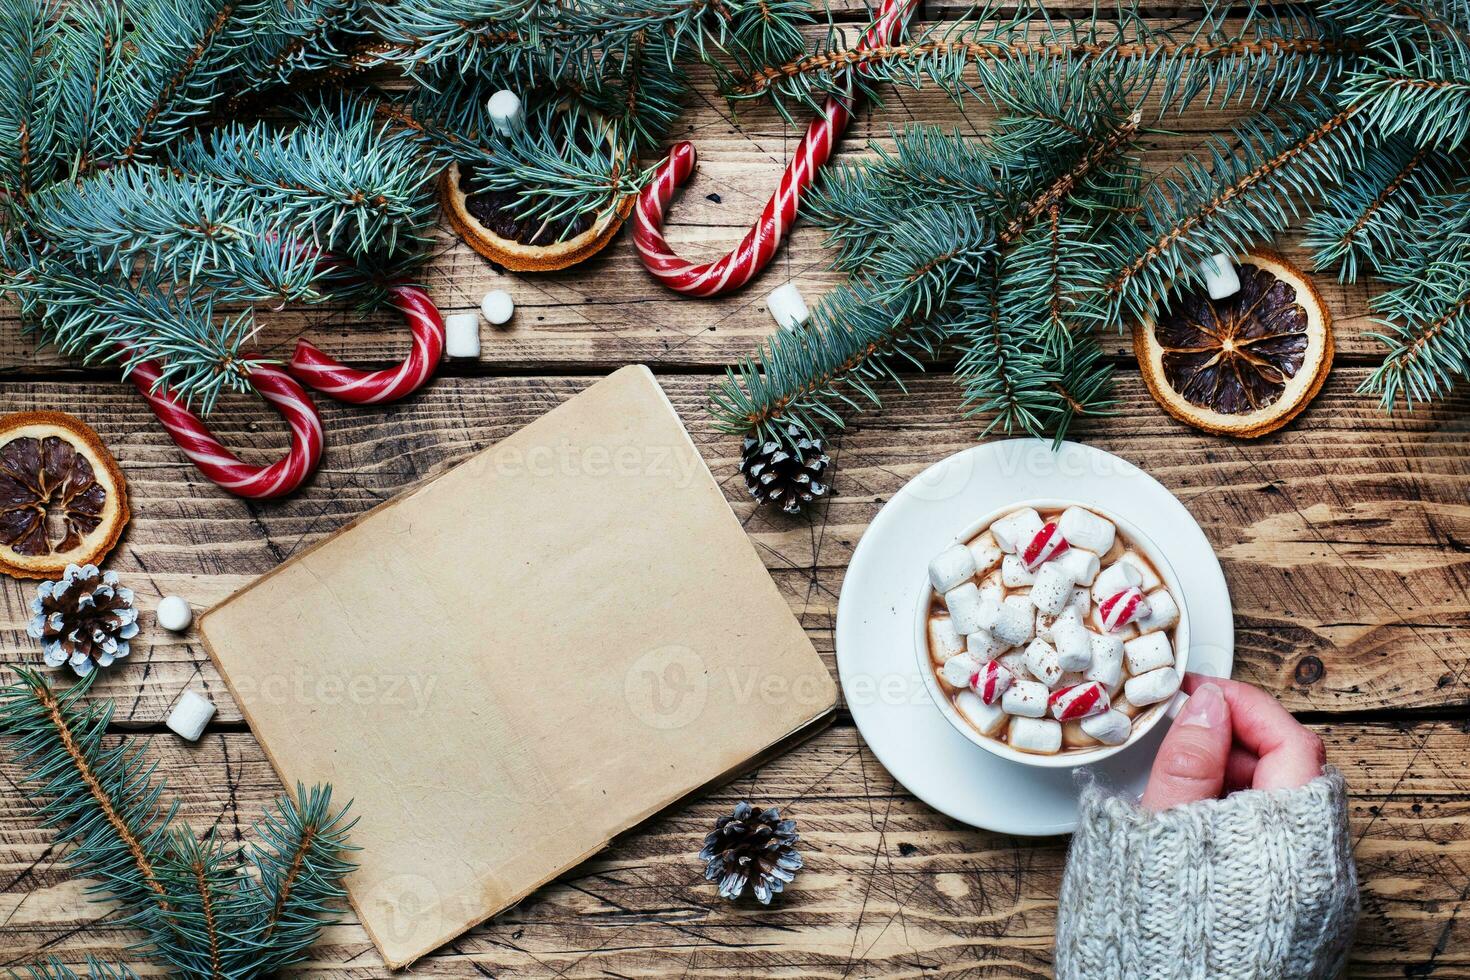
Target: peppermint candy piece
[991, 682]
[1122, 608]
[1047, 544]
[1079, 701]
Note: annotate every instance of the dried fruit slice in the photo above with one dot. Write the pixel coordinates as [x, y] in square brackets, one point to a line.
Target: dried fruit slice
[62, 497]
[487, 224]
[1244, 365]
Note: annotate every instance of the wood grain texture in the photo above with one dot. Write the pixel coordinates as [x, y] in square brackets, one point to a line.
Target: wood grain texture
[890, 889]
[1343, 537]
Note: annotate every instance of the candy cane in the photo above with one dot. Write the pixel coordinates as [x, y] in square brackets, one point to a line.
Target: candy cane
[192, 436]
[330, 377]
[760, 243]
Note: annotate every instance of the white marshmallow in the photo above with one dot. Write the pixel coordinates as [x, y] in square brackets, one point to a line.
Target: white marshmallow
[944, 640]
[959, 669]
[190, 715]
[985, 552]
[1084, 529]
[1081, 601]
[1221, 279]
[951, 568]
[983, 645]
[1107, 660]
[1162, 612]
[1026, 699]
[1151, 688]
[1079, 563]
[1015, 530]
[1117, 577]
[1013, 573]
[1073, 737]
[1149, 579]
[1072, 640]
[1042, 736]
[462, 335]
[1042, 662]
[1015, 662]
[964, 604]
[498, 307]
[1052, 589]
[507, 114]
[1109, 728]
[1148, 653]
[174, 614]
[991, 589]
[1016, 623]
[1070, 678]
[988, 718]
[787, 306]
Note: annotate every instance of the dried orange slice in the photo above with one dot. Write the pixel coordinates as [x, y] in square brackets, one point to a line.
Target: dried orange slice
[1244, 365]
[62, 497]
[488, 224]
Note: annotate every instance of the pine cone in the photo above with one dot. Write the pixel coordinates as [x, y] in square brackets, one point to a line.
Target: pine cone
[788, 473]
[86, 619]
[747, 846]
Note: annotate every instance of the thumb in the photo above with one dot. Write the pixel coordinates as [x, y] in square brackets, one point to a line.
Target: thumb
[1191, 762]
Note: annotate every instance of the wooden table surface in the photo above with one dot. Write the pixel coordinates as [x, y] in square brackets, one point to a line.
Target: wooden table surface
[1345, 540]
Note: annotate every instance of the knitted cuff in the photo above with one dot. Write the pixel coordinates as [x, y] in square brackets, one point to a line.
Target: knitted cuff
[1258, 885]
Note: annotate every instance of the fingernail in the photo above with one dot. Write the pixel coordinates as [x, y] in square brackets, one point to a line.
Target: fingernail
[1206, 707]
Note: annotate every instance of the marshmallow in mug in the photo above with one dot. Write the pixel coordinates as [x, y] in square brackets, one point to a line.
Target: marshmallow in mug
[1109, 728]
[964, 605]
[1043, 663]
[1082, 565]
[985, 553]
[1072, 640]
[1148, 652]
[1014, 574]
[1162, 613]
[1151, 688]
[988, 718]
[1107, 660]
[1040, 735]
[1026, 699]
[944, 640]
[960, 670]
[951, 568]
[1014, 531]
[1084, 529]
[1052, 589]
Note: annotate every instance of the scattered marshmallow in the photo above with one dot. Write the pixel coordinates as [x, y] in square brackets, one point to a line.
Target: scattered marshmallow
[992, 589]
[1081, 601]
[1073, 737]
[1014, 574]
[991, 681]
[1052, 589]
[1149, 578]
[189, 716]
[1015, 662]
[1079, 701]
[1120, 576]
[959, 670]
[1042, 736]
[1044, 545]
[462, 335]
[1163, 612]
[1081, 564]
[1026, 699]
[951, 568]
[1221, 279]
[1016, 529]
[507, 114]
[1122, 609]
[1042, 662]
[1148, 652]
[944, 640]
[989, 719]
[787, 306]
[1107, 660]
[964, 604]
[1109, 728]
[174, 614]
[1084, 529]
[1072, 640]
[1019, 622]
[983, 645]
[985, 552]
[1151, 688]
[498, 307]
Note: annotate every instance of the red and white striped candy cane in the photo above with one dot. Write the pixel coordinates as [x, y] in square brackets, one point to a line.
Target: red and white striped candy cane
[330, 377]
[760, 243]
[192, 436]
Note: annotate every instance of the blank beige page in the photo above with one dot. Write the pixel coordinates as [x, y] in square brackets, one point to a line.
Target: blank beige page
[520, 659]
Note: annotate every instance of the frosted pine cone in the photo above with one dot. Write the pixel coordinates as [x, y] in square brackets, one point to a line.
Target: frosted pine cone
[786, 472]
[751, 847]
[86, 619]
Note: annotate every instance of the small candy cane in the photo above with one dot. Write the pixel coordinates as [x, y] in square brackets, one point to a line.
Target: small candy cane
[755, 250]
[216, 462]
[330, 377]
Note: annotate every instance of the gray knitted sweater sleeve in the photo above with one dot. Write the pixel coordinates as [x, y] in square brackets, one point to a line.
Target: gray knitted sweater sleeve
[1258, 885]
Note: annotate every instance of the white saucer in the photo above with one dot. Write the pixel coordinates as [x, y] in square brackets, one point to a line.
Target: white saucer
[875, 630]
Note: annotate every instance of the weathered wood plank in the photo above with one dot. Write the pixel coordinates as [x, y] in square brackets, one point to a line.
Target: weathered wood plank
[1342, 536]
[890, 888]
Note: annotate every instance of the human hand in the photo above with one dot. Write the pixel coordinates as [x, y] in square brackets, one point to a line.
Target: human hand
[1230, 736]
